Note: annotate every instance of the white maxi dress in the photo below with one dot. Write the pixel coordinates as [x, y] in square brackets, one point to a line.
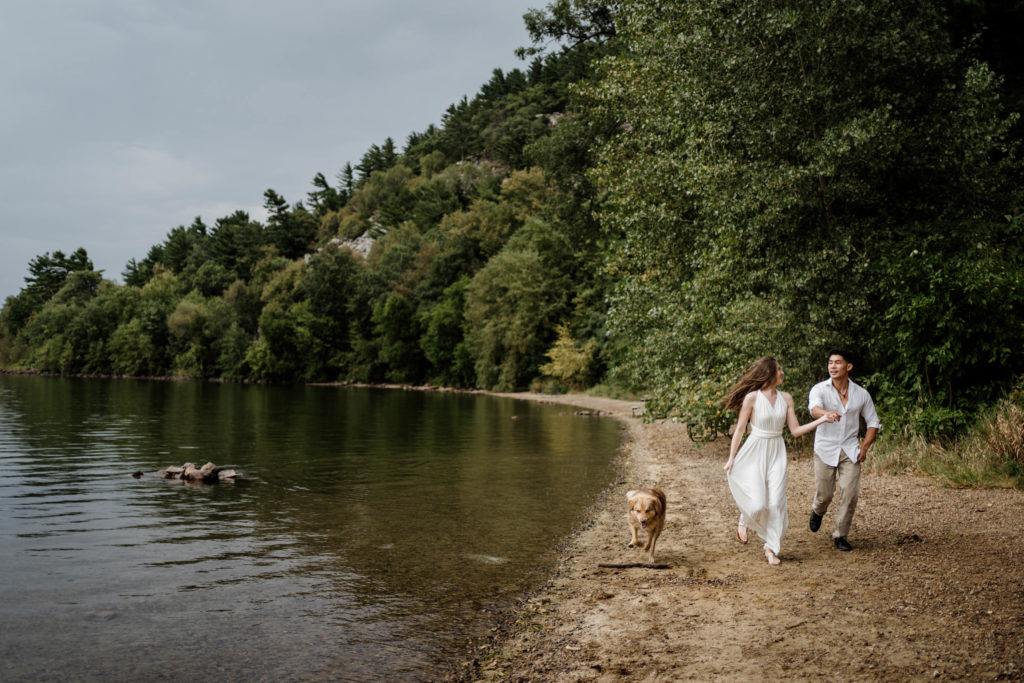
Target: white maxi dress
[758, 477]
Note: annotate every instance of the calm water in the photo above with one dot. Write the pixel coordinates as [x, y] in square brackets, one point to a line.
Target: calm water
[377, 532]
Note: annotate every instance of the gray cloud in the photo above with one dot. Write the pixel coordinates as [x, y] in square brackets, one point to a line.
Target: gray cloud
[120, 119]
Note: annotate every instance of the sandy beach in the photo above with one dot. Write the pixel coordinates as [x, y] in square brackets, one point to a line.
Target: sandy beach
[934, 588]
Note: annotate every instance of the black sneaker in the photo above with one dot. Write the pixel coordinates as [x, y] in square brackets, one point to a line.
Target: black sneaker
[815, 522]
[841, 544]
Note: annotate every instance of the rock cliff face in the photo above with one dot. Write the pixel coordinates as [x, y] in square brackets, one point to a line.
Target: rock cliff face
[362, 244]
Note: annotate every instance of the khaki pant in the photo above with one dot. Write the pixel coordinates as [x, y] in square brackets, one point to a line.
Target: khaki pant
[848, 473]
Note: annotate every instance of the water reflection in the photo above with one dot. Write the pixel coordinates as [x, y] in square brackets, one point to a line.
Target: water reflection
[377, 532]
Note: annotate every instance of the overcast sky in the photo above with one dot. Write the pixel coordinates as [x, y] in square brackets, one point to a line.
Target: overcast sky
[121, 119]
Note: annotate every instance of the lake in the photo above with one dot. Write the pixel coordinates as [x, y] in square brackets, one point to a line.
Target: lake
[376, 532]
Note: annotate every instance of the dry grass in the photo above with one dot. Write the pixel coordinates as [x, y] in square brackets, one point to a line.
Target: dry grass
[990, 455]
[1003, 434]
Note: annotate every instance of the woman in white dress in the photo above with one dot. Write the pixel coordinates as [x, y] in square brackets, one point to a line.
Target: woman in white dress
[757, 470]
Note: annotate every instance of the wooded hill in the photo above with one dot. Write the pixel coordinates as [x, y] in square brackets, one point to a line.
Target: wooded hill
[665, 193]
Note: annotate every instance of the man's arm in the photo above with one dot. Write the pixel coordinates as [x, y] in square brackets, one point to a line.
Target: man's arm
[873, 425]
[815, 401]
[818, 411]
[869, 438]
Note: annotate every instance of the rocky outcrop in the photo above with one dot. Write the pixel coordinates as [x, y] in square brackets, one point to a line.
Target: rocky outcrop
[207, 474]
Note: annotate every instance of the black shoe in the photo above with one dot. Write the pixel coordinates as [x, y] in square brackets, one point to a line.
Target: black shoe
[815, 523]
[841, 544]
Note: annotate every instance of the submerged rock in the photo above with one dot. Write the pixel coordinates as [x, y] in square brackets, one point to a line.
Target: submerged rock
[100, 615]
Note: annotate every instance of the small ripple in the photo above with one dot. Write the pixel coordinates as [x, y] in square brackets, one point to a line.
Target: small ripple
[49, 515]
[251, 555]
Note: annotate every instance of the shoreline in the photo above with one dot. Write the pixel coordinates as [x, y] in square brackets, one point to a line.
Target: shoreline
[933, 588]
[486, 653]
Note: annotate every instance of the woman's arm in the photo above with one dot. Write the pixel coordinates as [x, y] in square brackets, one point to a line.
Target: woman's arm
[741, 426]
[797, 429]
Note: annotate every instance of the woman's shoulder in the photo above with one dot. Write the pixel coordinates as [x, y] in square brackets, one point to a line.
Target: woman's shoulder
[786, 397]
[751, 397]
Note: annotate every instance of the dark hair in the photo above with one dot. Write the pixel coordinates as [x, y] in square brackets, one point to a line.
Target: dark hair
[757, 376]
[847, 355]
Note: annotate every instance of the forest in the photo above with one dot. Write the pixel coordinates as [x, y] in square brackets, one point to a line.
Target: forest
[663, 193]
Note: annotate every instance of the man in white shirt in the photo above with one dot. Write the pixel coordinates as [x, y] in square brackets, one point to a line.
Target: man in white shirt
[838, 453]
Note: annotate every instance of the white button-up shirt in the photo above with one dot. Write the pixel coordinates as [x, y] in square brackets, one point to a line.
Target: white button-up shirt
[832, 438]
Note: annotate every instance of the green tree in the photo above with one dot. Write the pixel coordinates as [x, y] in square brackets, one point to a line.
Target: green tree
[211, 279]
[513, 305]
[397, 332]
[47, 273]
[385, 196]
[951, 301]
[44, 343]
[157, 300]
[458, 136]
[768, 156]
[196, 325]
[236, 243]
[329, 286]
[131, 350]
[443, 340]
[324, 198]
[571, 22]
[290, 229]
[346, 183]
[16, 313]
[100, 310]
[245, 305]
[377, 159]
[184, 247]
[284, 344]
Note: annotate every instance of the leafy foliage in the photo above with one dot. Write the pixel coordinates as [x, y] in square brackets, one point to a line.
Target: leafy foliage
[771, 163]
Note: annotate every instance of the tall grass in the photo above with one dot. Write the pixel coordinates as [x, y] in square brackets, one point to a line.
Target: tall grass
[989, 455]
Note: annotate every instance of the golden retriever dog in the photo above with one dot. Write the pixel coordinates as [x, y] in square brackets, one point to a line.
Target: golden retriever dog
[646, 511]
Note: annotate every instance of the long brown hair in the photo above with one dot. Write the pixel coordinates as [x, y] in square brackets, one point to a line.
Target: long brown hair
[758, 376]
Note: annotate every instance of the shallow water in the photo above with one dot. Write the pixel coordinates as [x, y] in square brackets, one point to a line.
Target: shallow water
[375, 534]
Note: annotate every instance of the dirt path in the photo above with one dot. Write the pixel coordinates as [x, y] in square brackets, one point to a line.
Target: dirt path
[934, 588]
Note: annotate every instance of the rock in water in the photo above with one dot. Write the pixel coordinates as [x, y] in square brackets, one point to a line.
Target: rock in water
[172, 472]
[207, 474]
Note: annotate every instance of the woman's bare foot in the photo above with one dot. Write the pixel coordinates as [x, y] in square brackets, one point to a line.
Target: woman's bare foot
[771, 557]
[741, 534]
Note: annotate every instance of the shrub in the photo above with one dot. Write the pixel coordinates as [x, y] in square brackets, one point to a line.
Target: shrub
[990, 454]
[1003, 434]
